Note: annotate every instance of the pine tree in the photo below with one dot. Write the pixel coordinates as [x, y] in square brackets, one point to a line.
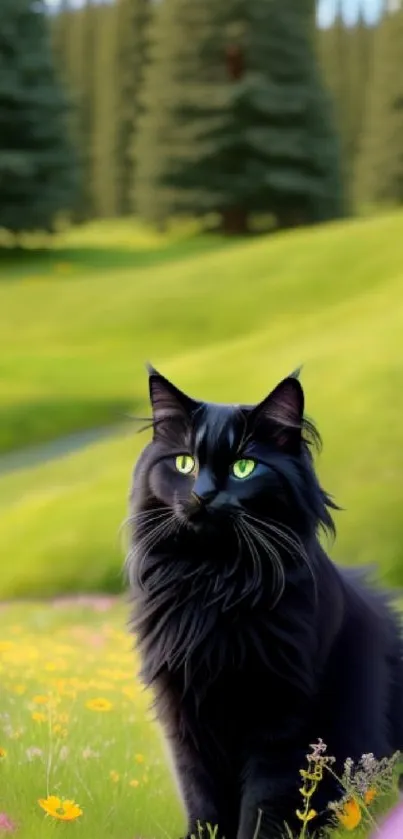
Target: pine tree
[380, 162]
[293, 116]
[36, 160]
[238, 120]
[153, 199]
[358, 61]
[89, 46]
[61, 34]
[335, 55]
[355, 61]
[80, 59]
[324, 38]
[104, 106]
[133, 21]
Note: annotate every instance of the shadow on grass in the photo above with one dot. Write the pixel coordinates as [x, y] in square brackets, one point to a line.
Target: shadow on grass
[16, 263]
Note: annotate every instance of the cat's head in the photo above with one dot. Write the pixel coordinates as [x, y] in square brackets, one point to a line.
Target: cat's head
[212, 464]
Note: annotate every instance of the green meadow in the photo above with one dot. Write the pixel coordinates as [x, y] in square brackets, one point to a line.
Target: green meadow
[226, 321]
[76, 726]
[80, 751]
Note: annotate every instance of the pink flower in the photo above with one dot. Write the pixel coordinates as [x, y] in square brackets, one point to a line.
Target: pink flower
[102, 604]
[6, 824]
[88, 753]
[33, 752]
[96, 640]
[392, 827]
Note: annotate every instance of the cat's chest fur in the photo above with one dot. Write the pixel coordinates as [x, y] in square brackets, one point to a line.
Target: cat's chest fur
[194, 634]
[228, 714]
[233, 669]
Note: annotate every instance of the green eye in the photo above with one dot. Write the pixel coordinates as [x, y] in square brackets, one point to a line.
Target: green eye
[185, 464]
[243, 468]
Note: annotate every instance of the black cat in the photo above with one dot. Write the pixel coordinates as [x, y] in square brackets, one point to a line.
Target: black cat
[254, 642]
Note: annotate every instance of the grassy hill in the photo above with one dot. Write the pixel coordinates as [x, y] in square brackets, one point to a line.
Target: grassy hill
[226, 323]
[73, 318]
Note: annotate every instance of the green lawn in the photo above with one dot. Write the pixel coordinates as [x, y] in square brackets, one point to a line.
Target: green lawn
[227, 325]
[74, 319]
[77, 323]
[76, 724]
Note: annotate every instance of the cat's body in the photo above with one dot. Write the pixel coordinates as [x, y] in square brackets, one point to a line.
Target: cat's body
[255, 644]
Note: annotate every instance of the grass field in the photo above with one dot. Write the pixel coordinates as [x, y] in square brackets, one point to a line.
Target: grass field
[74, 336]
[226, 324]
[226, 321]
[76, 725]
[73, 321]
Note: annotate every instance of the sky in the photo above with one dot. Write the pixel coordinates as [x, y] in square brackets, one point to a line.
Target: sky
[326, 9]
[351, 9]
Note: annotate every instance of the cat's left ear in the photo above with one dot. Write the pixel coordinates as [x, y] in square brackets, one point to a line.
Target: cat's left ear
[170, 406]
[281, 414]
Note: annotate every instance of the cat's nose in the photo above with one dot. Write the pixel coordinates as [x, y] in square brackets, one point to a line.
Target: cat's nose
[203, 490]
[201, 499]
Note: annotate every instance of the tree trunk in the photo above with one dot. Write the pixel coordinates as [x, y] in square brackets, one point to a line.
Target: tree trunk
[291, 217]
[234, 221]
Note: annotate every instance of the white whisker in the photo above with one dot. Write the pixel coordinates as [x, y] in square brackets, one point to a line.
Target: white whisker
[279, 575]
[143, 546]
[285, 538]
[135, 520]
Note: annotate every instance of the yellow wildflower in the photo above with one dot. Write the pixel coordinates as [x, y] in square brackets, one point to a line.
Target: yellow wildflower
[38, 716]
[58, 664]
[139, 758]
[63, 809]
[115, 675]
[306, 817]
[315, 775]
[114, 776]
[370, 795]
[3, 752]
[99, 704]
[134, 782]
[350, 814]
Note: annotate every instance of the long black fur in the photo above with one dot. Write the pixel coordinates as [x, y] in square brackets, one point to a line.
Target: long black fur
[253, 641]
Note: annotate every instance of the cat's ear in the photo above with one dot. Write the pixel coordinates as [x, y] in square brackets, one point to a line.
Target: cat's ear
[169, 404]
[282, 413]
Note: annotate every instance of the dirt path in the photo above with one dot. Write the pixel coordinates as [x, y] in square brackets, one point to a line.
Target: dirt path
[55, 449]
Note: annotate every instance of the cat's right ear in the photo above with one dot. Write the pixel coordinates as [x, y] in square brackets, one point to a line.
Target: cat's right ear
[170, 406]
[281, 414]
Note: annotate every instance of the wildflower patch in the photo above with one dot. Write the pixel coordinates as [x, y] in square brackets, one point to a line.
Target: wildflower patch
[80, 752]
